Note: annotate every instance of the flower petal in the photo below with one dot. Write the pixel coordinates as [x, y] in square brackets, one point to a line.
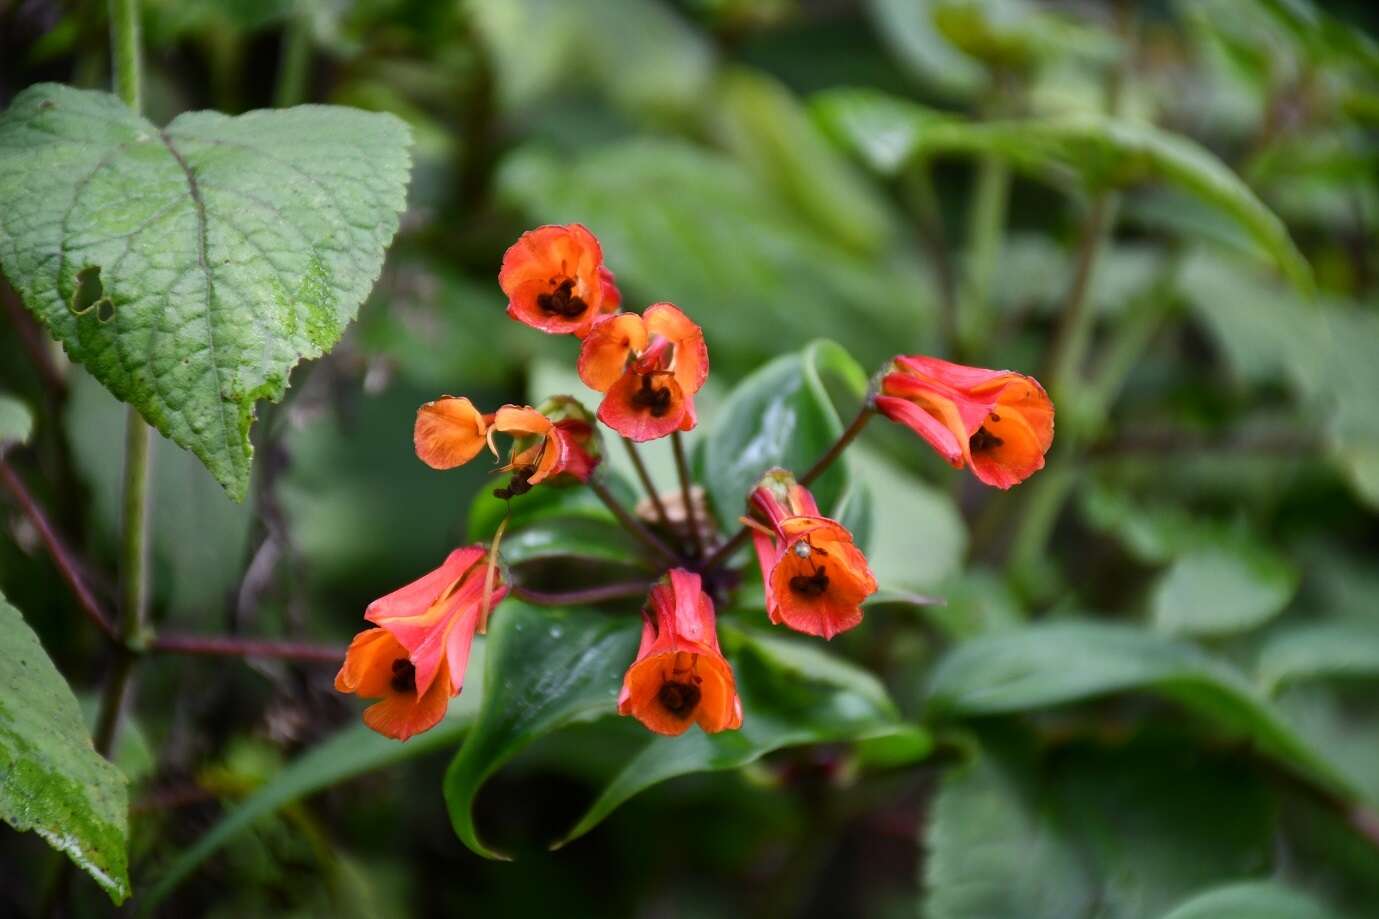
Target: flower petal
[449, 432]
[604, 352]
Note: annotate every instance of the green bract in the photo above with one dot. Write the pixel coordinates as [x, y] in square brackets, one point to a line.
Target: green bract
[190, 268]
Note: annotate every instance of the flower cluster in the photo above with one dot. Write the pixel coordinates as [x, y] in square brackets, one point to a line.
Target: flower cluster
[648, 367]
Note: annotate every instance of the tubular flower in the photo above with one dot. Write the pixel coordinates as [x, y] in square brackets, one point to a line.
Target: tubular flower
[648, 367]
[815, 578]
[997, 421]
[378, 667]
[556, 281]
[680, 675]
[557, 443]
[416, 661]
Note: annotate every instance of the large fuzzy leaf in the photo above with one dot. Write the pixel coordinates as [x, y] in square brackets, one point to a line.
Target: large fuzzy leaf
[190, 268]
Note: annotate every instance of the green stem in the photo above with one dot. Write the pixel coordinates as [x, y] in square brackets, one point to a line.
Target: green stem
[1075, 329]
[124, 51]
[986, 238]
[295, 59]
[696, 539]
[645, 477]
[124, 44]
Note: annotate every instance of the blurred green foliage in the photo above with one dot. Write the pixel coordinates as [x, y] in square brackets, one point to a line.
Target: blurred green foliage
[1151, 688]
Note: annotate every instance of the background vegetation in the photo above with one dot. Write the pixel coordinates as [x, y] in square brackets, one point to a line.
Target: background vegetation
[1151, 689]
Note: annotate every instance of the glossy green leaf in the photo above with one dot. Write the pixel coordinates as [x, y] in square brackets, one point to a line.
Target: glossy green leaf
[1100, 152]
[697, 228]
[793, 692]
[1055, 663]
[1323, 650]
[350, 752]
[55, 783]
[918, 537]
[1251, 900]
[547, 668]
[1222, 589]
[16, 421]
[573, 538]
[190, 268]
[782, 415]
[1013, 834]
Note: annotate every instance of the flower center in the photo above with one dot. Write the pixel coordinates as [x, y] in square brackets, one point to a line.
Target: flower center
[562, 301]
[404, 676]
[679, 699]
[649, 398]
[983, 440]
[810, 585]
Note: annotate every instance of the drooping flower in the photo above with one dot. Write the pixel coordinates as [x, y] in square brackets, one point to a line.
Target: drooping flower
[416, 661]
[648, 367]
[557, 443]
[556, 281]
[378, 667]
[815, 577]
[680, 676]
[997, 421]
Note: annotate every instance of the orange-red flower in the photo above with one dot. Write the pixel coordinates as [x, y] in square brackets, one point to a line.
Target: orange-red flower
[997, 421]
[649, 367]
[815, 578]
[416, 661]
[557, 443]
[556, 281]
[680, 676]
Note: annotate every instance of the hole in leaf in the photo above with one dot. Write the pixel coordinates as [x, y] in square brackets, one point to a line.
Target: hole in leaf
[89, 290]
[105, 309]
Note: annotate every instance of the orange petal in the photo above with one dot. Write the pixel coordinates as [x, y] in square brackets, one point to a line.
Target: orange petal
[403, 714]
[449, 432]
[1007, 449]
[520, 419]
[603, 355]
[555, 281]
[691, 352]
[367, 670]
[640, 413]
[819, 592]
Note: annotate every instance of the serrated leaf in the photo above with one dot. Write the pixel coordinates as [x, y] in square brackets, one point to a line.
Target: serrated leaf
[546, 669]
[782, 415]
[1122, 833]
[1099, 151]
[1055, 663]
[1250, 900]
[348, 753]
[55, 783]
[190, 268]
[793, 693]
[1223, 589]
[16, 421]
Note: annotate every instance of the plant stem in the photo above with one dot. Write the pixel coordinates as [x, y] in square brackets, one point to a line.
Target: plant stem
[235, 646]
[620, 591]
[986, 238]
[919, 188]
[62, 557]
[124, 52]
[864, 414]
[124, 45]
[1070, 345]
[645, 477]
[632, 525]
[295, 58]
[687, 494]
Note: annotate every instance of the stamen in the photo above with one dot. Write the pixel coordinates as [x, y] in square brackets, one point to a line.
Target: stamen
[562, 301]
[983, 440]
[680, 699]
[655, 401]
[810, 585]
[404, 676]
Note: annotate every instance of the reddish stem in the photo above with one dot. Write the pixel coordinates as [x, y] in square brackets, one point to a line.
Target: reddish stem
[234, 646]
[619, 591]
[62, 557]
